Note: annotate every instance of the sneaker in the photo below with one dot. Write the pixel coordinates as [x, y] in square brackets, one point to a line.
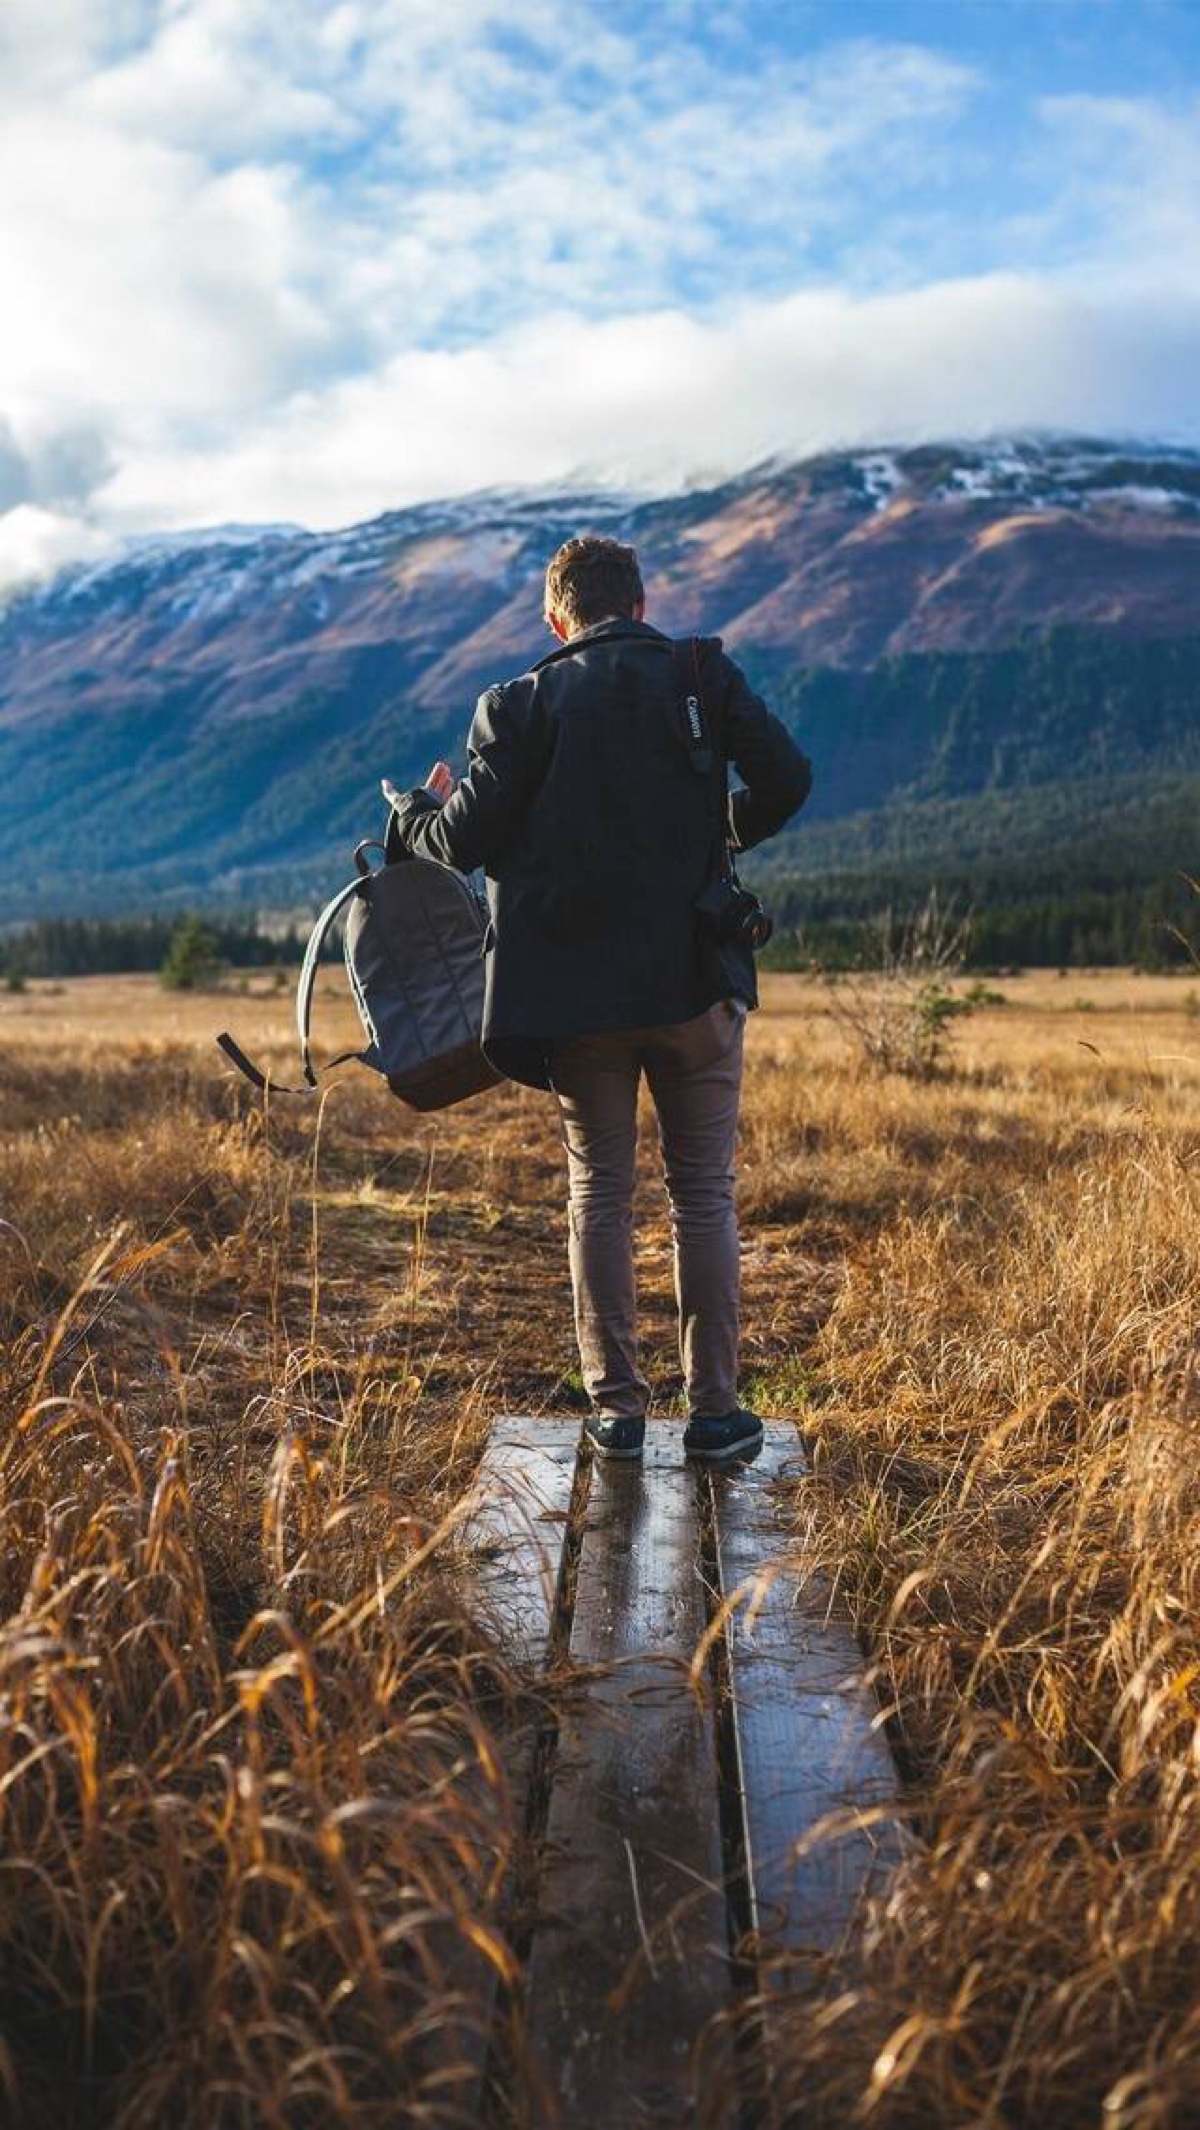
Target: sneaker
[623, 1436]
[734, 1435]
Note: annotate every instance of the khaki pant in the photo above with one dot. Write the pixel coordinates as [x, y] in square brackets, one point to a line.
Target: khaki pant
[694, 1070]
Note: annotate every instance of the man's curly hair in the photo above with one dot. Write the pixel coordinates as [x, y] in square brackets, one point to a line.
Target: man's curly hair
[589, 578]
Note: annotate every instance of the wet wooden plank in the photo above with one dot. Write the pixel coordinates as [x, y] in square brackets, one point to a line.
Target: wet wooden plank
[630, 1954]
[514, 1533]
[809, 1740]
[512, 1542]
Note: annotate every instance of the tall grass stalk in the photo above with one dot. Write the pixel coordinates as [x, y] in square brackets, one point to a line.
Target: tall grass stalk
[254, 1816]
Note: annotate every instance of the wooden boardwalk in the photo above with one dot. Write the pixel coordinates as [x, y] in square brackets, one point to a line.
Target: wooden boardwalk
[712, 1714]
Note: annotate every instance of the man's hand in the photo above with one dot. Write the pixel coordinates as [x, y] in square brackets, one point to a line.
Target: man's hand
[439, 783]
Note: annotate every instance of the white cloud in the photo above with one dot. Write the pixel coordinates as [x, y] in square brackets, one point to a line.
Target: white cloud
[216, 78]
[1126, 177]
[35, 542]
[47, 44]
[298, 259]
[142, 286]
[651, 399]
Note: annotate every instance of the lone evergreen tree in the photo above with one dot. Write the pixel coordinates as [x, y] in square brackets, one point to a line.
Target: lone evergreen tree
[192, 960]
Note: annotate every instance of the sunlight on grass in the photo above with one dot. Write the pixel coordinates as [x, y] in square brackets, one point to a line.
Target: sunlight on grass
[252, 1800]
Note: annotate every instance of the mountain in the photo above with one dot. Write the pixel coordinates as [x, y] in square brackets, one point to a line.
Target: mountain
[205, 718]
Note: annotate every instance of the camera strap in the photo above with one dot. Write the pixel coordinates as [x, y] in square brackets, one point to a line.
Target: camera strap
[704, 751]
[689, 684]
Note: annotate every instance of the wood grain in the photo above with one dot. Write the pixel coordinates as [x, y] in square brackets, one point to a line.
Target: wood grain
[512, 1544]
[630, 1958]
[809, 1739]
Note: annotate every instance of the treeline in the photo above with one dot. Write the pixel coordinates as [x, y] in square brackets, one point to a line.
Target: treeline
[833, 919]
[836, 922]
[81, 946]
[1084, 871]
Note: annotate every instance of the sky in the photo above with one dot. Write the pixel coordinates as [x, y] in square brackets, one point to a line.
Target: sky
[308, 260]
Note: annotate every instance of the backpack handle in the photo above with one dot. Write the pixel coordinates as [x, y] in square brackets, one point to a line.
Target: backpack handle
[369, 843]
[308, 976]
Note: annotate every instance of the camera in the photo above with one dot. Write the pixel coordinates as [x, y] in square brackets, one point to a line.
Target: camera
[732, 916]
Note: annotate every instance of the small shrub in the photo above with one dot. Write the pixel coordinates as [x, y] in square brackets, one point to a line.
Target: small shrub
[899, 1014]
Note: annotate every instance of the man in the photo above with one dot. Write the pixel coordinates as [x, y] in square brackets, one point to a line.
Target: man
[597, 801]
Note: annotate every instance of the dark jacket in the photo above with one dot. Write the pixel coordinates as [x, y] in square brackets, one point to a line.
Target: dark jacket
[582, 804]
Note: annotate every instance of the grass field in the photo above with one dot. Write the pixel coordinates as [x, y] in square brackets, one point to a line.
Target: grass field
[249, 1798]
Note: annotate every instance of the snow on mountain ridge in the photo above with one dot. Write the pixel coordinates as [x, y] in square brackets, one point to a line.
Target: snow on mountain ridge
[216, 565]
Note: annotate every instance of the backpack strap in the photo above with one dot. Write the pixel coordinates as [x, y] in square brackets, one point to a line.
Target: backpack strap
[252, 1072]
[308, 977]
[304, 998]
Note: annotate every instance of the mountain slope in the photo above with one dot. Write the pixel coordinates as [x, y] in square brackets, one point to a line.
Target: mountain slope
[207, 718]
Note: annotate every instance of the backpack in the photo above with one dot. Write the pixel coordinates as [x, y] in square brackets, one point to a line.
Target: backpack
[413, 945]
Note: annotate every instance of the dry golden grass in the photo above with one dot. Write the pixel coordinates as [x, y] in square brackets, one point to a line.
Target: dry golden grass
[249, 1801]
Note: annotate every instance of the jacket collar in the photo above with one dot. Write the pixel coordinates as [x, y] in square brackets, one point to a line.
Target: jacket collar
[601, 632]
